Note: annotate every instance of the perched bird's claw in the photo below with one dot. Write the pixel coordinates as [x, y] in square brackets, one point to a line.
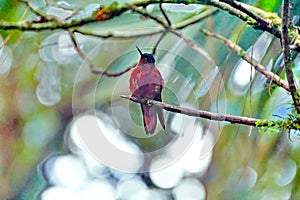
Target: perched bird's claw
[148, 102]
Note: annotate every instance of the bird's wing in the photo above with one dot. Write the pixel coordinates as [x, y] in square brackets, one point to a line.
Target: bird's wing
[158, 110]
[161, 118]
[133, 82]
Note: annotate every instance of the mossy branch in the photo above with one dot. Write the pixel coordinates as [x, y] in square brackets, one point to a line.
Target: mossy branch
[243, 54]
[286, 124]
[288, 63]
[253, 16]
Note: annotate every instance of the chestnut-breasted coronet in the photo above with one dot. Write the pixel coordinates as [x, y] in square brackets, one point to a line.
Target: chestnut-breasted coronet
[146, 82]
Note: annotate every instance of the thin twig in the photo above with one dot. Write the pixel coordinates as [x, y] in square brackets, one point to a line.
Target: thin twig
[166, 30]
[197, 113]
[240, 7]
[207, 12]
[122, 35]
[243, 54]
[158, 41]
[164, 13]
[147, 14]
[189, 42]
[193, 45]
[93, 69]
[42, 16]
[288, 64]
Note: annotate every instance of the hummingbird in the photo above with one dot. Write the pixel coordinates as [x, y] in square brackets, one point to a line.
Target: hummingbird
[146, 82]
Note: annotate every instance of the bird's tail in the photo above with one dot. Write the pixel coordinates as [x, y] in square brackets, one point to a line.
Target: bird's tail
[150, 118]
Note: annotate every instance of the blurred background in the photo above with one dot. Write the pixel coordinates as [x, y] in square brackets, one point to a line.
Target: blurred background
[49, 101]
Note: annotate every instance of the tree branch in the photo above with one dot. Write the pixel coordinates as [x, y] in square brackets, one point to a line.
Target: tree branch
[239, 6]
[207, 12]
[131, 34]
[166, 31]
[43, 17]
[199, 113]
[170, 29]
[243, 54]
[158, 41]
[147, 14]
[115, 9]
[288, 64]
[93, 69]
[279, 125]
[122, 35]
[143, 12]
[244, 16]
[164, 13]
[194, 46]
[253, 16]
[263, 23]
[40, 26]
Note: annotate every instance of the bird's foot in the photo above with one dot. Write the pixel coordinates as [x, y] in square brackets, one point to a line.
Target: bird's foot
[147, 102]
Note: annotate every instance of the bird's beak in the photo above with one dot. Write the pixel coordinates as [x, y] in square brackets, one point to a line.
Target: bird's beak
[141, 53]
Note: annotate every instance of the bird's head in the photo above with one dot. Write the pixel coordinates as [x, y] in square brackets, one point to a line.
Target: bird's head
[146, 57]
